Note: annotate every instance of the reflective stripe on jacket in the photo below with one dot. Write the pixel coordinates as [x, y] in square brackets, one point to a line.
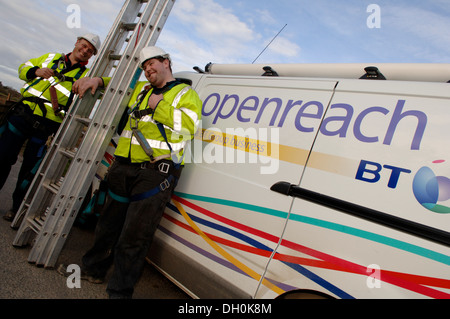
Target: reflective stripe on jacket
[38, 87]
[179, 112]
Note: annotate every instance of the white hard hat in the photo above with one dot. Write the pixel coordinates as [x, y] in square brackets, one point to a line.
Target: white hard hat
[148, 53]
[92, 39]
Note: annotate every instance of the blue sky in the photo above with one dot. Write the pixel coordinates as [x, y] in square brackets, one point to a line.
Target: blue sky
[236, 31]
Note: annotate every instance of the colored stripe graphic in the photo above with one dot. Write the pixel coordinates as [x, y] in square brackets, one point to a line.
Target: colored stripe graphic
[213, 257]
[407, 281]
[258, 248]
[322, 161]
[430, 254]
[221, 251]
[289, 260]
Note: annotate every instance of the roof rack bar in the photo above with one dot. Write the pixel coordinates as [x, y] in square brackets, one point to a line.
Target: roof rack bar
[426, 72]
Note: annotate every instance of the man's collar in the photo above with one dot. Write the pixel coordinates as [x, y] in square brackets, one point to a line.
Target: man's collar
[166, 87]
[69, 63]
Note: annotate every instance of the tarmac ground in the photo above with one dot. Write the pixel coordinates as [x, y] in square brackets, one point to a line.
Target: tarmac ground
[20, 279]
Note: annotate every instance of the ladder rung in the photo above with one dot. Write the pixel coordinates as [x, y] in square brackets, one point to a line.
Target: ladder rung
[115, 57]
[39, 220]
[83, 120]
[51, 187]
[129, 26]
[68, 153]
[36, 225]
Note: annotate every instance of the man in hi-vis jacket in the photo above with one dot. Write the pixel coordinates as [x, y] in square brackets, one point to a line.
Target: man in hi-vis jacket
[164, 116]
[50, 86]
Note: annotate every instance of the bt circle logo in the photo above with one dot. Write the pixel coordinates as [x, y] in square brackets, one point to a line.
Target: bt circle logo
[432, 191]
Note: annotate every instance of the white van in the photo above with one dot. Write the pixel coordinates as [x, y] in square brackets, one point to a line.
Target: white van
[314, 183]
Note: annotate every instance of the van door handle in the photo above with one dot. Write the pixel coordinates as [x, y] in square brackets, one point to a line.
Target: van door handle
[397, 223]
[282, 188]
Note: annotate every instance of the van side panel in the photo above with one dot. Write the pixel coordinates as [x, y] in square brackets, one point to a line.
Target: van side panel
[382, 145]
[223, 216]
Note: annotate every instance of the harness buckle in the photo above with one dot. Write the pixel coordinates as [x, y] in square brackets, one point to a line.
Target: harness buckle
[133, 122]
[144, 165]
[164, 167]
[164, 185]
[36, 124]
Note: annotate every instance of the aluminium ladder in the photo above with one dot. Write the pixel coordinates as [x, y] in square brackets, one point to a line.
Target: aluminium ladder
[56, 194]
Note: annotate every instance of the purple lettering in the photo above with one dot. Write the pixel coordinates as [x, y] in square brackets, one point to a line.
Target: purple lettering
[244, 107]
[204, 112]
[289, 106]
[302, 113]
[266, 102]
[342, 131]
[398, 116]
[357, 127]
[224, 101]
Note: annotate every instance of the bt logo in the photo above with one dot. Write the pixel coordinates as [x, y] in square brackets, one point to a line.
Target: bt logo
[370, 172]
[429, 189]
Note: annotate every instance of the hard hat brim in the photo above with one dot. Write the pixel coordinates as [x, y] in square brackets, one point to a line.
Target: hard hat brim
[165, 56]
[95, 48]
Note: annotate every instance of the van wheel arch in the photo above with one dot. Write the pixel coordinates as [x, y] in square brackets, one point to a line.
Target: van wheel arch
[304, 294]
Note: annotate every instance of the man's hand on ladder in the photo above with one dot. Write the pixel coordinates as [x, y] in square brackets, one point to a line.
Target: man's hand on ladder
[82, 85]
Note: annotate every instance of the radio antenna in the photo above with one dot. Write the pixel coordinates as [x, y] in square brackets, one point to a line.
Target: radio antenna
[269, 43]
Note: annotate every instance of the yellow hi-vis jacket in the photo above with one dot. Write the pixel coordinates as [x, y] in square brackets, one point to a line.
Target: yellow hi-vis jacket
[36, 87]
[179, 112]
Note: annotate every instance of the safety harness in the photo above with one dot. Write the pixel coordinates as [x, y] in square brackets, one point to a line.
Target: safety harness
[171, 169]
[20, 108]
[59, 63]
[136, 115]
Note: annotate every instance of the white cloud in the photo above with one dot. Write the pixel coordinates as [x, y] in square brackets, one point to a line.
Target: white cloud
[211, 29]
[422, 25]
[213, 21]
[408, 33]
[285, 47]
[9, 77]
[33, 28]
[203, 31]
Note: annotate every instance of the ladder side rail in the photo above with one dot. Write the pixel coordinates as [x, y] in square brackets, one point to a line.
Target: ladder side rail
[47, 168]
[152, 31]
[37, 197]
[115, 95]
[105, 113]
[54, 206]
[43, 236]
[102, 65]
[23, 237]
[67, 142]
[119, 87]
[115, 37]
[36, 185]
[129, 11]
[47, 256]
[118, 91]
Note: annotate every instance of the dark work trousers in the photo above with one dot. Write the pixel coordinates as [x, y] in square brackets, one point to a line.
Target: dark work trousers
[15, 133]
[125, 231]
